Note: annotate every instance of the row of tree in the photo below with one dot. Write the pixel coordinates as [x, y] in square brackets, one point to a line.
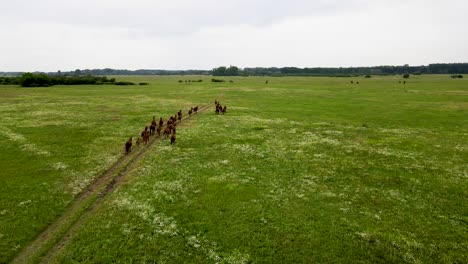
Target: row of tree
[226, 71]
[45, 80]
[449, 68]
[452, 68]
[108, 71]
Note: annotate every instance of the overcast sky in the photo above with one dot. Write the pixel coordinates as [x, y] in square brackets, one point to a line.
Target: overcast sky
[51, 35]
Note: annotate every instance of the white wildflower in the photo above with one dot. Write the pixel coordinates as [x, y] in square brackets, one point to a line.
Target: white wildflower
[25, 203]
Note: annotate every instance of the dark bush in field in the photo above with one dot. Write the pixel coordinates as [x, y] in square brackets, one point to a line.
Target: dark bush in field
[124, 83]
[455, 76]
[367, 76]
[217, 80]
[9, 80]
[224, 71]
[143, 83]
[406, 76]
[35, 80]
[44, 80]
[180, 81]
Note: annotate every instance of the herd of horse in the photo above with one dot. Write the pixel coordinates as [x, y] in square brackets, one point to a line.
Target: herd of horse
[219, 108]
[155, 128]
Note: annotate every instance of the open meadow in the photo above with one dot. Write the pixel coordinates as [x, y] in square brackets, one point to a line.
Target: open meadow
[302, 169]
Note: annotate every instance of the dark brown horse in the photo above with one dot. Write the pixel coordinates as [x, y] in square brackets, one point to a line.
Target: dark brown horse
[173, 138]
[158, 130]
[128, 145]
[166, 132]
[145, 135]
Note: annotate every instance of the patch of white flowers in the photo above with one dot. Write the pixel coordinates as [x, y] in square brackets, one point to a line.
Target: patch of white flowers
[25, 145]
[60, 166]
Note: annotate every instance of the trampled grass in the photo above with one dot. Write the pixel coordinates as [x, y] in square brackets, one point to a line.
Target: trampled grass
[299, 170]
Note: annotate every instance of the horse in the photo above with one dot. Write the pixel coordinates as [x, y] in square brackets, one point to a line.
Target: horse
[152, 128]
[161, 122]
[138, 141]
[145, 135]
[195, 109]
[158, 130]
[128, 145]
[173, 138]
[166, 132]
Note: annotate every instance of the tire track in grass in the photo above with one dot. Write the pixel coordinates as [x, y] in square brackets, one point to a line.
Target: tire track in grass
[47, 244]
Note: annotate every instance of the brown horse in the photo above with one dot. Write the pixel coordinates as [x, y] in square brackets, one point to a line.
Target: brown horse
[161, 122]
[173, 138]
[128, 145]
[166, 132]
[138, 141]
[145, 135]
[195, 109]
[158, 130]
[152, 129]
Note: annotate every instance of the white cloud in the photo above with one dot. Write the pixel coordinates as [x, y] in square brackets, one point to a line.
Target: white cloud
[51, 35]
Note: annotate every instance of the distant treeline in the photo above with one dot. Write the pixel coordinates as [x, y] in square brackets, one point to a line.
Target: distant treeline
[227, 71]
[440, 68]
[453, 68]
[109, 71]
[145, 72]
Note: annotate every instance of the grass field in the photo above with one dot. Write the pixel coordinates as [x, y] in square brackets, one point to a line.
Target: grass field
[299, 170]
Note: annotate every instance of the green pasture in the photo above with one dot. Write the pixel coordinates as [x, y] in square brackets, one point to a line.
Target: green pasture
[302, 169]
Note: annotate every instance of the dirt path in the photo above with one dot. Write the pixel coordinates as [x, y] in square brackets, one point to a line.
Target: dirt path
[46, 246]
